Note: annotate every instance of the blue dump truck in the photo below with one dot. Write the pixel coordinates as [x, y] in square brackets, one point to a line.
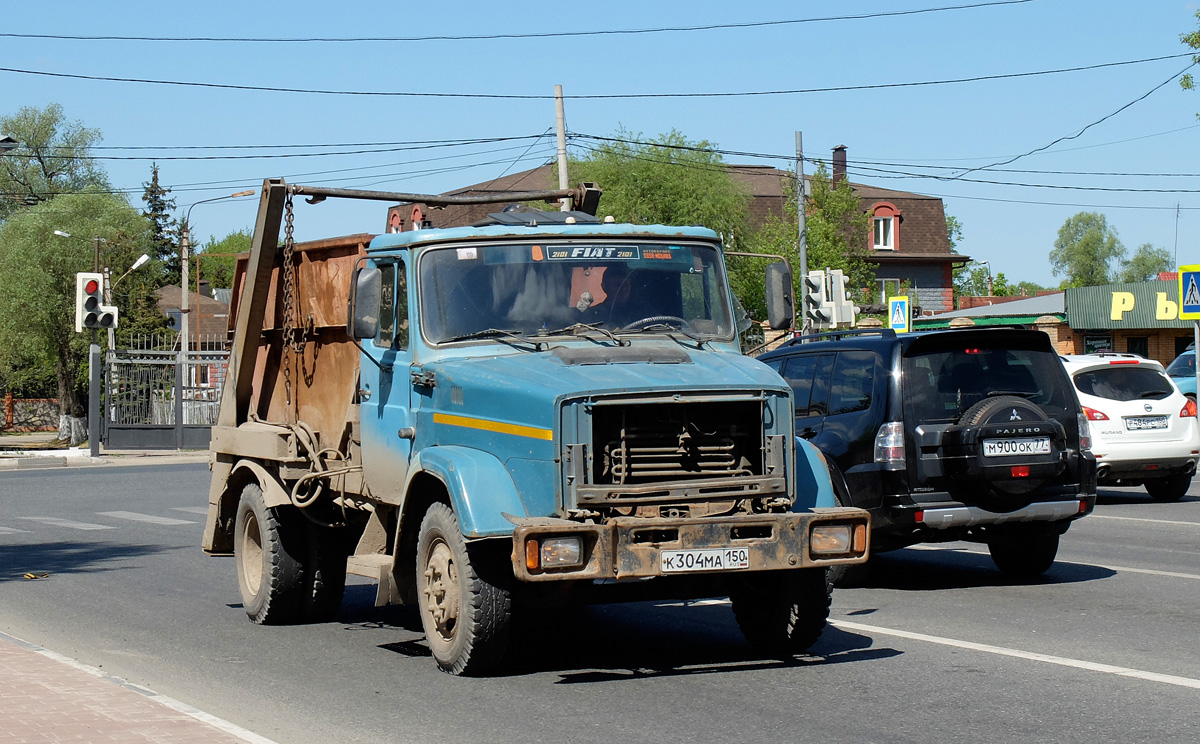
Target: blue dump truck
[492, 420]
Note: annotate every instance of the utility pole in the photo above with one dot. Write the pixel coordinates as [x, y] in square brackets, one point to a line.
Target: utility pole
[564, 205]
[802, 236]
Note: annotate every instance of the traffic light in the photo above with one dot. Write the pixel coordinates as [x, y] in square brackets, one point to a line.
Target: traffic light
[816, 302]
[843, 308]
[90, 310]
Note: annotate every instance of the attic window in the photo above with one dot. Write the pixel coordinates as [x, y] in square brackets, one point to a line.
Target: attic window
[885, 224]
[883, 234]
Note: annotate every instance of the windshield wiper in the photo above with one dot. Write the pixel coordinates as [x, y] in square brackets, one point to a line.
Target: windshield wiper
[500, 334]
[581, 329]
[667, 327]
[1016, 393]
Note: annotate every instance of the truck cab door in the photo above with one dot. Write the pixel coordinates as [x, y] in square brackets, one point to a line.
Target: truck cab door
[385, 405]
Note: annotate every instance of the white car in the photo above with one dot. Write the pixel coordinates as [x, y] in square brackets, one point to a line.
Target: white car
[1143, 430]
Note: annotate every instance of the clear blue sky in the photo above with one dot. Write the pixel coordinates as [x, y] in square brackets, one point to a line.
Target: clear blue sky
[964, 125]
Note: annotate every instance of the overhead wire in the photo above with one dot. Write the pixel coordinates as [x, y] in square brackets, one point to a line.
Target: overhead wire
[596, 96]
[526, 35]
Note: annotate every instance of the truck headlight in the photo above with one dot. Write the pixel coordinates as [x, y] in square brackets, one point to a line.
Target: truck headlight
[554, 552]
[830, 539]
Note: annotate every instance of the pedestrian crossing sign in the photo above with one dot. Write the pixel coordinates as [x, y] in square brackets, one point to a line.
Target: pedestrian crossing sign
[1189, 292]
[898, 315]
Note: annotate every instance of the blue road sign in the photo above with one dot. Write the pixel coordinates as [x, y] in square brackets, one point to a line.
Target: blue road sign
[898, 314]
[1189, 292]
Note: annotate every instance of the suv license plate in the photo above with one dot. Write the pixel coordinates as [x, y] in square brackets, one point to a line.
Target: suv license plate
[1137, 423]
[710, 559]
[1003, 447]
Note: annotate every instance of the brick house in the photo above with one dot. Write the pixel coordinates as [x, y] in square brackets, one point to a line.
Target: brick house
[908, 241]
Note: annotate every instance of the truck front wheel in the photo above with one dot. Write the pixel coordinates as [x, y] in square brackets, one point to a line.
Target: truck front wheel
[782, 613]
[466, 617]
[270, 571]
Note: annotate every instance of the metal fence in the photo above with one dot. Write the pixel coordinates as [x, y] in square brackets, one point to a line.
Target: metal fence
[153, 402]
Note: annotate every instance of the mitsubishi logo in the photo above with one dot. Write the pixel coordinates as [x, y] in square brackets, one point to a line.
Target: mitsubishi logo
[1015, 416]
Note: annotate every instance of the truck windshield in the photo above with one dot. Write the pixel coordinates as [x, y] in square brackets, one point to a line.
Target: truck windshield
[534, 289]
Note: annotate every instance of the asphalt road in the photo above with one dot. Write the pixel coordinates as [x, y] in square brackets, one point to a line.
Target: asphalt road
[938, 647]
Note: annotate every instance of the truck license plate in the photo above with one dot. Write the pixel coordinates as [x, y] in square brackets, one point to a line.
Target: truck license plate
[711, 559]
[1002, 447]
[1138, 423]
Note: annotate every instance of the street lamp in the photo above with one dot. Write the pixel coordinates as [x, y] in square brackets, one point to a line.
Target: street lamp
[96, 255]
[142, 259]
[989, 269]
[184, 246]
[182, 373]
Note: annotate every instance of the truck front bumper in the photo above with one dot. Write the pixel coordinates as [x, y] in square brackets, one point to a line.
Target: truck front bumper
[633, 548]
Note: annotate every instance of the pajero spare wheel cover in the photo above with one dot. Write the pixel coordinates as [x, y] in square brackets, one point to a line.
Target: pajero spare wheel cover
[1002, 451]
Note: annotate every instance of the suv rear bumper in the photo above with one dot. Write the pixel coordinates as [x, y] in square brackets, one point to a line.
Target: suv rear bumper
[943, 518]
[631, 547]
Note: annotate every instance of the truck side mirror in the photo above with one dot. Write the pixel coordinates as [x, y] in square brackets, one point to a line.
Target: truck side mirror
[362, 319]
[780, 305]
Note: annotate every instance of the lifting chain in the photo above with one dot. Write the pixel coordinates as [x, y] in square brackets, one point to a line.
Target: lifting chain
[290, 345]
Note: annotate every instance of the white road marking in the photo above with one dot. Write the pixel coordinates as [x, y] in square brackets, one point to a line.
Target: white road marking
[1141, 519]
[56, 522]
[1128, 569]
[10, 530]
[191, 509]
[148, 518]
[1090, 666]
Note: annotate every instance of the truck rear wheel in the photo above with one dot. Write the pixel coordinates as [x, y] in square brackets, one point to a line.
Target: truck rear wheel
[266, 549]
[467, 618]
[782, 613]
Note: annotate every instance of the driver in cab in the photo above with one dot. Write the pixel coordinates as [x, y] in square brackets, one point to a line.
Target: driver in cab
[623, 301]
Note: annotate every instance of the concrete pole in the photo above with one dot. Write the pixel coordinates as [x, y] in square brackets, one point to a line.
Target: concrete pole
[94, 365]
[564, 205]
[185, 326]
[801, 227]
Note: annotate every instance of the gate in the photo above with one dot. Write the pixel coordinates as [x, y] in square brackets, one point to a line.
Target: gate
[152, 401]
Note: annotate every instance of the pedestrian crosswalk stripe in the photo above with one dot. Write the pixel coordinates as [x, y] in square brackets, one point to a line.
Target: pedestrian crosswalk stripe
[56, 522]
[148, 518]
[1192, 296]
[191, 509]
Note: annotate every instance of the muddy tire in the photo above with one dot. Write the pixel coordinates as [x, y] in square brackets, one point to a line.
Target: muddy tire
[1024, 553]
[268, 548]
[467, 618]
[325, 574]
[782, 613]
[1172, 488]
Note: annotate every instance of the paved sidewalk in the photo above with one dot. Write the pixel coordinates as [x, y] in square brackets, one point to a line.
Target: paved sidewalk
[41, 450]
[45, 697]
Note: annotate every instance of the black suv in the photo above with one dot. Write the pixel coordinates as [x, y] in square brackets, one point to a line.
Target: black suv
[972, 434]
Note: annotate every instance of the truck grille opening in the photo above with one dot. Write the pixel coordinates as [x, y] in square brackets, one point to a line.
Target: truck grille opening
[652, 443]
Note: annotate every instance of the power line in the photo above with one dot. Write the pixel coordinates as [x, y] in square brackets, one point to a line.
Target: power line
[441, 143]
[528, 35]
[1140, 98]
[610, 96]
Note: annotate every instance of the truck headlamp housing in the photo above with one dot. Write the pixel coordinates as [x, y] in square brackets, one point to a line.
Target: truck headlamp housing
[831, 539]
[554, 552]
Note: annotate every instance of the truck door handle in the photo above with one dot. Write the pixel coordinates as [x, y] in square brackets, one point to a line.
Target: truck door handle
[808, 432]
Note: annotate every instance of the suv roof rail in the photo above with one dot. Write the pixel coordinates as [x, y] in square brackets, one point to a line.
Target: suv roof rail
[882, 332]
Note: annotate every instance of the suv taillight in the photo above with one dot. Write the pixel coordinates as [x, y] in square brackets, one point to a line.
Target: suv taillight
[1189, 409]
[1091, 414]
[889, 443]
[1085, 431]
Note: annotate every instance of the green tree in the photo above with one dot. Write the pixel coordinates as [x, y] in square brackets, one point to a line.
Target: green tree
[1086, 251]
[37, 307]
[1192, 40]
[972, 281]
[954, 232]
[670, 180]
[54, 156]
[836, 230]
[164, 230]
[215, 260]
[1146, 263]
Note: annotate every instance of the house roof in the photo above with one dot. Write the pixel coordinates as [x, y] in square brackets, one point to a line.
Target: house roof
[1046, 304]
[209, 317]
